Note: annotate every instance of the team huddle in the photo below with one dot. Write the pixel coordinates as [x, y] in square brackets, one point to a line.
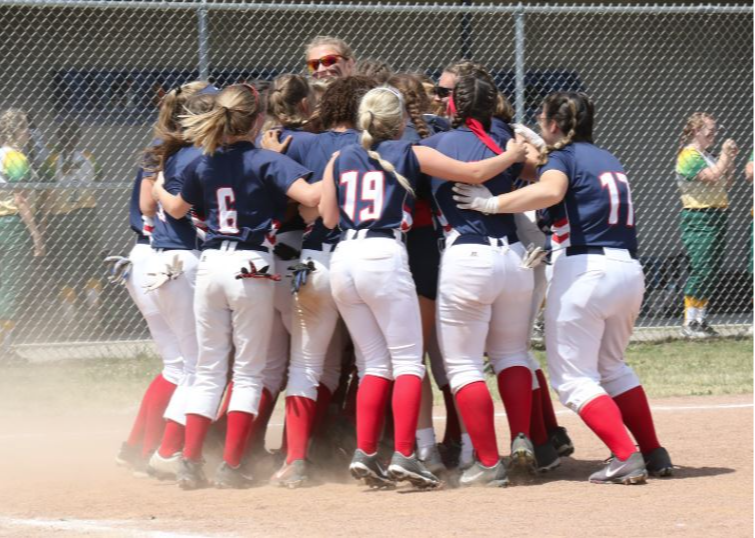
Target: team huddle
[323, 235]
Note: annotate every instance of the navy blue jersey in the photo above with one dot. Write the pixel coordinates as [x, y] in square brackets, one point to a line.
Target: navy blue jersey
[368, 196]
[323, 148]
[598, 203]
[242, 190]
[134, 212]
[412, 135]
[463, 145]
[298, 149]
[173, 233]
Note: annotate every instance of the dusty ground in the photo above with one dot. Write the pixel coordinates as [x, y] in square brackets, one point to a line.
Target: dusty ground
[57, 476]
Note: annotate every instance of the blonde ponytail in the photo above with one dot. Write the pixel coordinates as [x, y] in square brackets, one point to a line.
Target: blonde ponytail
[381, 115]
[234, 114]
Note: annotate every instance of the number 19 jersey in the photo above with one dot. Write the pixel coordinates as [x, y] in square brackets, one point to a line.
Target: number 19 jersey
[598, 202]
[370, 197]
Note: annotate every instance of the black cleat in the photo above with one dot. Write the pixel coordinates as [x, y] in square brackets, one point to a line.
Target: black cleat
[658, 463]
[546, 457]
[561, 441]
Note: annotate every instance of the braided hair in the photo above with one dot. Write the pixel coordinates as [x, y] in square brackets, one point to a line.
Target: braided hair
[475, 97]
[573, 113]
[416, 100]
[381, 116]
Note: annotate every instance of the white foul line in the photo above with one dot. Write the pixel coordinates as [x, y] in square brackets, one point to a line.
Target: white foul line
[110, 527]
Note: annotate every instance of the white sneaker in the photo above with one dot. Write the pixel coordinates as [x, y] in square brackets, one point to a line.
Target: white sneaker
[164, 468]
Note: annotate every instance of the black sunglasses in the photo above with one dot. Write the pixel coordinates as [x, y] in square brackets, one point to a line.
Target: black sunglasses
[442, 92]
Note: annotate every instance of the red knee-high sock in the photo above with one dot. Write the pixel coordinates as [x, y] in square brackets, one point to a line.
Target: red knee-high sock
[549, 414]
[155, 422]
[239, 426]
[137, 430]
[324, 397]
[372, 398]
[453, 427]
[173, 439]
[476, 408]
[515, 387]
[300, 416]
[635, 411]
[196, 431]
[603, 417]
[407, 393]
[537, 423]
[259, 426]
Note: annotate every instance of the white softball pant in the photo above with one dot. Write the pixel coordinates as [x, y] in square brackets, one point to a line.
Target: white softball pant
[376, 296]
[315, 338]
[483, 305]
[167, 345]
[529, 233]
[175, 300]
[280, 338]
[232, 314]
[592, 304]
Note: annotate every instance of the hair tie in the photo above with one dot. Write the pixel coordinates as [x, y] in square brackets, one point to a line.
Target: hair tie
[253, 91]
[227, 114]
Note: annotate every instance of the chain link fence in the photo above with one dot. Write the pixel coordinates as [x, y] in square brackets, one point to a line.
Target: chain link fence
[90, 73]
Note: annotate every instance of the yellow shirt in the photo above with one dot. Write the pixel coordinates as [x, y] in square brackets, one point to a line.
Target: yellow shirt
[14, 168]
[695, 193]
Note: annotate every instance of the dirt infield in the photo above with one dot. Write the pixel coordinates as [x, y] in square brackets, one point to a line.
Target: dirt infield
[57, 476]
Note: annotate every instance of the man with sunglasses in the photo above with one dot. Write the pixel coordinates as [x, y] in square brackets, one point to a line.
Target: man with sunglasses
[329, 57]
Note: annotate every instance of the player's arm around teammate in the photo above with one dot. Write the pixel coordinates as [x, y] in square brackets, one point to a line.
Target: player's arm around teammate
[597, 288]
[368, 191]
[243, 191]
[173, 267]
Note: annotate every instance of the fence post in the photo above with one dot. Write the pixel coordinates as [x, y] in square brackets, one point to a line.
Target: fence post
[519, 62]
[203, 42]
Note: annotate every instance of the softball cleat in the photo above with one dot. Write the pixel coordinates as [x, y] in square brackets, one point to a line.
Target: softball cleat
[480, 476]
[410, 469]
[630, 471]
[561, 441]
[368, 468]
[658, 463]
[291, 475]
[227, 477]
[523, 453]
[164, 468]
[190, 475]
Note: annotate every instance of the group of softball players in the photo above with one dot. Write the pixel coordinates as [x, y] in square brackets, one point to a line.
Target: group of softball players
[323, 234]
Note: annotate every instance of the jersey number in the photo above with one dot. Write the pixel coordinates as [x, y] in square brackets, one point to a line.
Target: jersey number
[227, 214]
[372, 191]
[610, 181]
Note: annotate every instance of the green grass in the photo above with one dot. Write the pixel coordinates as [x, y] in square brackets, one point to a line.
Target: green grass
[686, 368]
[678, 368]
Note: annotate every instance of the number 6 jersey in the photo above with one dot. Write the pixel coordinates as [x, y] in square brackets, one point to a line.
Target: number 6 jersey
[370, 197]
[598, 202]
[242, 192]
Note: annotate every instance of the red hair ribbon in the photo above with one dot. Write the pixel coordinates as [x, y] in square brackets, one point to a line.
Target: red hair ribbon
[476, 127]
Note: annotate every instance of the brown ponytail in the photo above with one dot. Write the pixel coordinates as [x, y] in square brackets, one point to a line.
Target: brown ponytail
[573, 113]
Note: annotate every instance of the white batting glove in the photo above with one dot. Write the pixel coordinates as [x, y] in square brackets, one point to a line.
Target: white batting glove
[119, 268]
[475, 197]
[533, 257]
[531, 136]
[172, 271]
